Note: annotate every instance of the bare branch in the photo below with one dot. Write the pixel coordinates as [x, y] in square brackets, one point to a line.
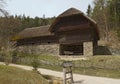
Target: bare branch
[3, 12]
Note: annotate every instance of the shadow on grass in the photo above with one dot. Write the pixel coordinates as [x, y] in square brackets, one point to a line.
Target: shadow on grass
[102, 50]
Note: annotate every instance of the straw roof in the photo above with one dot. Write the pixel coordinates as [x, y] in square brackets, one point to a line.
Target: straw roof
[70, 12]
[46, 30]
[33, 32]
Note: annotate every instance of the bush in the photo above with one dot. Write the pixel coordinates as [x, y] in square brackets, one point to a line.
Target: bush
[35, 63]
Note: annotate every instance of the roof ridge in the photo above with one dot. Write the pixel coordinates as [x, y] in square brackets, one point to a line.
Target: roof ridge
[70, 11]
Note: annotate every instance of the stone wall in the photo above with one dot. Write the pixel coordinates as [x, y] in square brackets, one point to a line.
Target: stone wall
[115, 51]
[88, 48]
[51, 49]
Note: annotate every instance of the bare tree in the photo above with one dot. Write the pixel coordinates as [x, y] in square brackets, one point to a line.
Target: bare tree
[6, 49]
[2, 10]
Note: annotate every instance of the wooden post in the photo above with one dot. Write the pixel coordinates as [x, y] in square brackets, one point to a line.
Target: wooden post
[71, 74]
[67, 69]
[64, 75]
[60, 49]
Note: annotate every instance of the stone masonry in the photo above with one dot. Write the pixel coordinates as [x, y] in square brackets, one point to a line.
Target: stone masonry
[51, 49]
[88, 48]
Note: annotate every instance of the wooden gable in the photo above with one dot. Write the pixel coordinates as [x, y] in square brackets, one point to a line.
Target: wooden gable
[72, 27]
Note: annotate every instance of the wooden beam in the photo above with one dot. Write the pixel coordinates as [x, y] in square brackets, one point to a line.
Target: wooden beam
[73, 27]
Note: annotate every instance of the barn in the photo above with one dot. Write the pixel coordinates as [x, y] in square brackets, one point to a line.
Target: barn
[72, 32]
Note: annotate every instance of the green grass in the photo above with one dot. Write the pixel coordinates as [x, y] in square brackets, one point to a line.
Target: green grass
[102, 65]
[103, 62]
[12, 75]
[98, 72]
[48, 57]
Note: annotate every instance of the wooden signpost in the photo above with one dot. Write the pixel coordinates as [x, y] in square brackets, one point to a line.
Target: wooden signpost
[67, 70]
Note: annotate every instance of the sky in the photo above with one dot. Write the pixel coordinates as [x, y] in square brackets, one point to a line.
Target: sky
[49, 8]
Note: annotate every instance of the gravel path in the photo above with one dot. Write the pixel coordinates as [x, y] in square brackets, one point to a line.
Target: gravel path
[82, 78]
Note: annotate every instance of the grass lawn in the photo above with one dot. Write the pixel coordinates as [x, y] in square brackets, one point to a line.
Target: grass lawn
[12, 75]
[98, 72]
[102, 65]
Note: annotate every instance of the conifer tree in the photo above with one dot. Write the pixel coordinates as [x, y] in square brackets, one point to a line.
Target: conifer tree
[89, 11]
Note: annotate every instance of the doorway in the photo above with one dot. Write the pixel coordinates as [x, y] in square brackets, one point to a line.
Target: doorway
[71, 49]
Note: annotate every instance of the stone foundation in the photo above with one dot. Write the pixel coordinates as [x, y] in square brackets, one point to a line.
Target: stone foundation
[88, 48]
[51, 49]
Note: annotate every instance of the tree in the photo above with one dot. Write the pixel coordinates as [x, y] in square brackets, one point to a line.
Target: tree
[100, 14]
[8, 27]
[2, 11]
[5, 50]
[44, 21]
[37, 21]
[89, 11]
[114, 10]
[107, 15]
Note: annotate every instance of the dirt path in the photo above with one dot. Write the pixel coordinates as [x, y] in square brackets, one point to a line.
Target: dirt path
[83, 78]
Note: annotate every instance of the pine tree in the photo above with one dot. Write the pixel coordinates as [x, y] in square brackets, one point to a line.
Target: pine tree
[114, 10]
[89, 11]
[44, 21]
[37, 21]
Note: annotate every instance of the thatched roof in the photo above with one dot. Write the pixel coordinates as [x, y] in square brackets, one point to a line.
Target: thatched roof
[70, 12]
[33, 32]
[47, 30]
